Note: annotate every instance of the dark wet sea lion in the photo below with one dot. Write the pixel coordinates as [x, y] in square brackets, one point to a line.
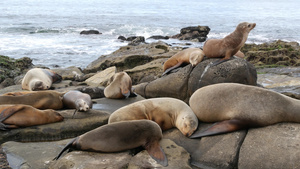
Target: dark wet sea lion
[121, 136]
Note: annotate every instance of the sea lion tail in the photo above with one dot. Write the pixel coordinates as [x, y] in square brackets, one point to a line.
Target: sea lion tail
[157, 153]
[221, 127]
[68, 146]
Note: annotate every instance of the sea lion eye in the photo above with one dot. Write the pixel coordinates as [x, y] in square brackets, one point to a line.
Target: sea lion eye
[249, 26]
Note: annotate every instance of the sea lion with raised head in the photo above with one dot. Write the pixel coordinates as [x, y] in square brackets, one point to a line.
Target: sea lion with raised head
[230, 45]
[122, 136]
[190, 55]
[48, 99]
[77, 100]
[15, 116]
[166, 112]
[236, 106]
[39, 79]
[120, 87]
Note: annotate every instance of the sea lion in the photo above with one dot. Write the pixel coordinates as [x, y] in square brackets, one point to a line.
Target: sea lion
[120, 87]
[15, 116]
[236, 106]
[122, 136]
[190, 55]
[39, 79]
[230, 45]
[77, 100]
[166, 112]
[48, 99]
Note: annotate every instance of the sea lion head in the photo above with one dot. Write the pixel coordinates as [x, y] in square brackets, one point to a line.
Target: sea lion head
[246, 27]
[38, 85]
[187, 124]
[196, 57]
[54, 116]
[81, 105]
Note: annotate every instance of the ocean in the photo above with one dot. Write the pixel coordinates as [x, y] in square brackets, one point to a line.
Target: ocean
[48, 31]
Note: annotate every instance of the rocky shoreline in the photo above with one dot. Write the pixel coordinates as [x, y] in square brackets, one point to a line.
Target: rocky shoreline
[274, 146]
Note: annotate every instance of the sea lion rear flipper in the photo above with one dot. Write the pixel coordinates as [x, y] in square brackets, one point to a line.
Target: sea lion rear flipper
[171, 68]
[219, 62]
[68, 146]
[156, 152]
[6, 126]
[221, 127]
[6, 113]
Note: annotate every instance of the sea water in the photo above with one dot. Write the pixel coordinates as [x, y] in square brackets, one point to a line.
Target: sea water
[48, 31]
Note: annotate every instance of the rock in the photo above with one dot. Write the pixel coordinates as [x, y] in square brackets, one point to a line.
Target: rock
[158, 37]
[94, 92]
[7, 82]
[122, 38]
[194, 33]
[13, 88]
[276, 53]
[128, 57]
[11, 68]
[147, 72]
[68, 128]
[220, 151]
[70, 73]
[186, 80]
[177, 156]
[101, 78]
[275, 146]
[275, 80]
[136, 40]
[89, 32]
[92, 160]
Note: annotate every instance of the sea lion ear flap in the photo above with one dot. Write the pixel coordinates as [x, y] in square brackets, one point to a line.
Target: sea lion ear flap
[156, 152]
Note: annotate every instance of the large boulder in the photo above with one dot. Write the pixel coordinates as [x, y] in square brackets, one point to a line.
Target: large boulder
[183, 83]
[276, 53]
[193, 33]
[128, 57]
[275, 146]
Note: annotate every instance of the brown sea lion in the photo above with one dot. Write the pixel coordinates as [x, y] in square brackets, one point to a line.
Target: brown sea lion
[77, 100]
[166, 112]
[236, 106]
[190, 55]
[230, 45]
[122, 136]
[48, 99]
[15, 116]
[120, 87]
[39, 79]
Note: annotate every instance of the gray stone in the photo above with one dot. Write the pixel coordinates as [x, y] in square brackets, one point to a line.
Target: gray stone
[92, 160]
[101, 79]
[275, 146]
[177, 156]
[220, 151]
[183, 83]
[69, 73]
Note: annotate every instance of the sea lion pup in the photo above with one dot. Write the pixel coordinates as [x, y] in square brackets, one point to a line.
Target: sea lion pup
[122, 136]
[190, 55]
[236, 106]
[77, 100]
[166, 112]
[230, 45]
[39, 79]
[120, 87]
[15, 116]
[48, 99]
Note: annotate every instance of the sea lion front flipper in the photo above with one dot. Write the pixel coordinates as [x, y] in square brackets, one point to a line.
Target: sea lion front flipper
[156, 152]
[171, 68]
[221, 127]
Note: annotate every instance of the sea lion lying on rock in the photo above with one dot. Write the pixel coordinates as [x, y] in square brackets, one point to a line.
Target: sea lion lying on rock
[121, 136]
[39, 79]
[48, 99]
[236, 106]
[15, 116]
